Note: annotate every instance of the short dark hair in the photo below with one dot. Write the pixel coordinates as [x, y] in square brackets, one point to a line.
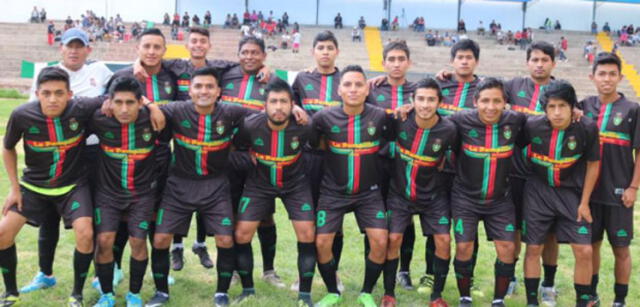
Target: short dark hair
[325, 36]
[607, 58]
[207, 71]
[52, 73]
[543, 46]
[278, 85]
[466, 44]
[489, 83]
[125, 84]
[396, 45]
[152, 31]
[428, 83]
[199, 30]
[251, 40]
[353, 68]
[560, 89]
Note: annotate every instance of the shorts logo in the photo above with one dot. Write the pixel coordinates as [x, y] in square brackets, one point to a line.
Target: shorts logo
[524, 228]
[229, 86]
[308, 87]
[335, 129]
[261, 91]
[380, 215]
[380, 98]
[583, 230]
[372, 129]
[443, 221]
[436, 145]
[572, 143]
[244, 202]
[98, 218]
[536, 140]
[73, 124]
[144, 225]
[258, 142]
[75, 205]
[445, 92]
[510, 228]
[185, 123]
[622, 233]
[403, 135]
[226, 222]
[294, 143]
[305, 207]
[109, 135]
[167, 87]
[34, 130]
[146, 136]
[159, 217]
[507, 132]
[522, 94]
[617, 120]
[459, 229]
[220, 127]
[473, 133]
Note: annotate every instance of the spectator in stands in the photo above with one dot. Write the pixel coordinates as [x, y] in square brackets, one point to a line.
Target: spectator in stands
[493, 27]
[285, 20]
[361, 23]
[547, 26]
[207, 19]
[395, 24]
[296, 27]
[260, 16]
[430, 39]
[270, 19]
[447, 40]
[337, 22]
[254, 18]
[280, 26]
[462, 28]
[118, 19]
[384, 25]
[51, 31]
[85, 22]
[296, 42]
[245, 30]
[630, 30]
[176, 19]
[35, 15]
[606, 28]
[68, 23]
[561, 49]
[174, 31]
[284, 40]
[136, 29]
[185, 20]
[43, 15]
[246, 18]
[557, 26]
[166, 20]
[227, 22]
[235, 22]
[196, 20]
[481, 28]
[356, 34]
[594, 28]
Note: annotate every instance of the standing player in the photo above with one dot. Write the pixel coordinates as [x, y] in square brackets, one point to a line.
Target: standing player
[523, 95]
[417, 188]
[126, 185]
[275, 142]
[52, 129]
[353, 135]
[612, 201]
[564, 161]
[480, 188]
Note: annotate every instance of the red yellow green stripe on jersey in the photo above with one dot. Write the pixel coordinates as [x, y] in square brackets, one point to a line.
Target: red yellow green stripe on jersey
[554, 162]
[277, 161]
[203, 144]
[415, 159]
[244, 95]
[610, 137]
[324, 99]
[128, 154]
[459, 100]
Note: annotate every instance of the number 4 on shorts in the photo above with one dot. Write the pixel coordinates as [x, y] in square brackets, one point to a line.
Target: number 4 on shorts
[459, 227]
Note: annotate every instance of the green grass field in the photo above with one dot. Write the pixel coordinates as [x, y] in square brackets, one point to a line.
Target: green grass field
[195, 285]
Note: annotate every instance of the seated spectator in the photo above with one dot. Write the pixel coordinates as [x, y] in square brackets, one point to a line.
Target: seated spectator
[43, 15]
[361, 23]
[285, 20]
[606, 28]
[185, 20]
[557, 26]
[166, 20]
[438, 38]
[500, 37]
[207, 19]
[624, 39]
[196, 20]
[510, 39]
[235, 22]
[51, 30]
[246, 18]
[245, 30]
[430, 39]
[254, 18]
[481, 28]
[227, 22]
[35, 15]
[447, 40]
[176, 19]
[68, 23]
[395, 24]
[356, 34]
[517, 38]
[462, 28]
[384, 26]
[296, 42]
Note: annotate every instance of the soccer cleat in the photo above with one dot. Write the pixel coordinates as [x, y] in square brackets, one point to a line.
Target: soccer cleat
[7, 300]
[426, 283]
[295, 286]
[170, 280]
[118, 275]
[236, 278]
[203, 254]
[388, 301]
[95, 283]
[177, 259]
[221, 300]
[106, 300]
[304, 300]
[548, 296]
[497, 303]
[158, 299]
[366, 300]
[272, 278]
[331, 299]
[75, 301]
[134, 300]
[465, 302]
[439, 302]
[339, 283]
[616, 304]
[245, 295]
[40, 281]
[594, 302]
[404, 280]
[513, 285]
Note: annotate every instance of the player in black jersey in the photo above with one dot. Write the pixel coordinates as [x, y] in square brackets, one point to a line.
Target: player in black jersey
[564, 160]
[612, 201]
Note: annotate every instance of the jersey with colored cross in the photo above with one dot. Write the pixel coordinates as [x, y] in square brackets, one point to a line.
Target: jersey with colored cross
[314, 91]
[52, 146]
[456, 96]
[183, 69]
[420, 153]
[242, 89]
[484, 156]
[201, 142]
[160, 88]
[618, 124]
[277, 152]
[558, 157]
[126, 167]
[353, 141]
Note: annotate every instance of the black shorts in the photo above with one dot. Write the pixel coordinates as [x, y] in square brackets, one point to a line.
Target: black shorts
[209, 197]
[163, 158]
[547, 209]
[75, 204]
[517, 197]
[367, 206]
[258, 201]
[313, 169]
[434, 214]
[138, 213]
[499, 218]
[386, 167]
[617, 221]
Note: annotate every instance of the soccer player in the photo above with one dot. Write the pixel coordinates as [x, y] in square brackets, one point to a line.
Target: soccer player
[275, 141]
[523, 95]
[87, 79]
[612, 201]
[52, 129]
[353, 135]
[315, 91]
[564, 159]
[417, 188]
[480, 187]
[126, 185]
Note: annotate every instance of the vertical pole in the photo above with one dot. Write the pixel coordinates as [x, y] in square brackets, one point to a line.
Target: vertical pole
[524, 14]
[246, 5]
[176, 10]
[317, 11]
[459, 8]
[593, 16]
[389, 11]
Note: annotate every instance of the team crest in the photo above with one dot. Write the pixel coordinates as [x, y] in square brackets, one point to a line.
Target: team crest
[167, 87]
[522, 94]
[380, 98]
[308, 87]
[572, 143]
[372, 129]
[445, 92]
[220, 127]
[229, 86]
[436, 145]
[473, 133]
[617, 120]
[295, 143]
[507, 132]
[73, 124]
[146, 136]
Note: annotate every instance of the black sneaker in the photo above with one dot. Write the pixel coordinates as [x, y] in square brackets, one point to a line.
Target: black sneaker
[177, 259]
[465, 302]
[404, 280]
[221, 300]
[159, 299]
[203, 254]
[245, 295]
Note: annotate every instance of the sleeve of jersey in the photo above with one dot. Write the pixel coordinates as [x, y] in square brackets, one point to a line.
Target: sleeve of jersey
[507, 90]
[523, 137]
[593, 142]
[223, 65]
[635, 126]
[389, 127]
[316, 130]
[14, 131]
[242, 139]
[295, 87]
[91, 104]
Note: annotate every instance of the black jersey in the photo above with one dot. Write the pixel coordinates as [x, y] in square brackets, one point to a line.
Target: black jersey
[456, 96]
[314, 91]
[183, 69]
[242, 89]
[159, 88]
